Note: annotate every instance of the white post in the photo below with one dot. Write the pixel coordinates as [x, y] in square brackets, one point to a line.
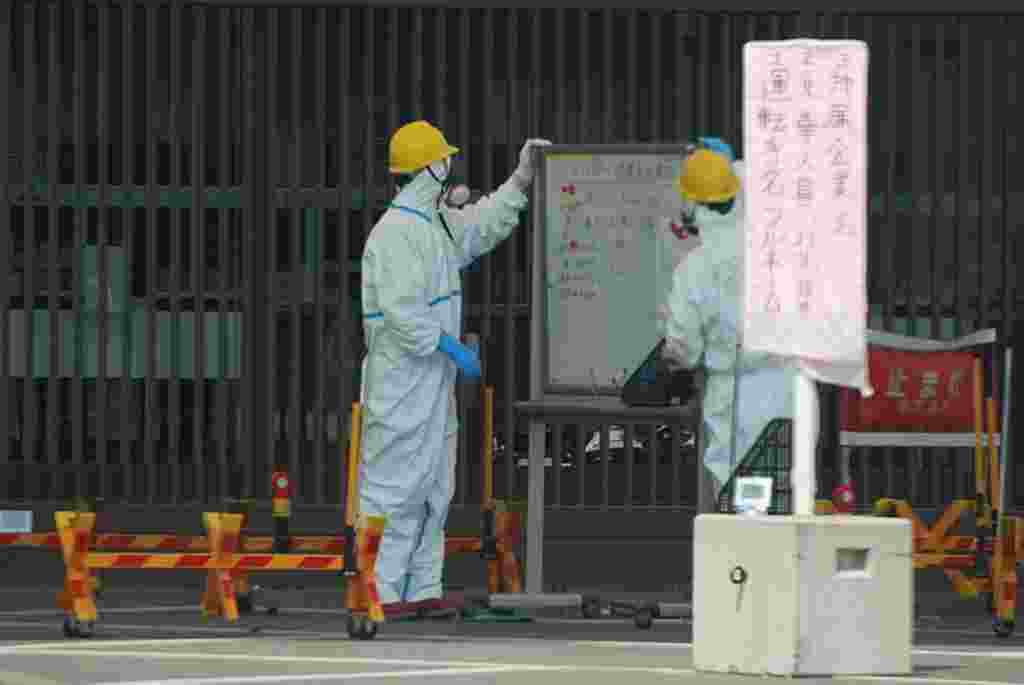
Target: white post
[805, 440]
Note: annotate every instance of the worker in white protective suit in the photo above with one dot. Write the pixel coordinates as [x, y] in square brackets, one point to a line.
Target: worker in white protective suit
[411, 294]
[704, 323]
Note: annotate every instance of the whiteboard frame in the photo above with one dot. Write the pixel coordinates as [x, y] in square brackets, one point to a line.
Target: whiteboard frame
[540, 370]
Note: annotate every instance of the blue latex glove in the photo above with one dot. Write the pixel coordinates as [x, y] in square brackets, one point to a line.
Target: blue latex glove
[465, 358]
[718, 145]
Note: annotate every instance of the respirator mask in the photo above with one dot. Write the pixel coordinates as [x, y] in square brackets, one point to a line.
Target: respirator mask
[453, 193]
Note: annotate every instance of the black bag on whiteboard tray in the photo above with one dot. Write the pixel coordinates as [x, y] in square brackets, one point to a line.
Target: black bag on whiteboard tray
[653, 385]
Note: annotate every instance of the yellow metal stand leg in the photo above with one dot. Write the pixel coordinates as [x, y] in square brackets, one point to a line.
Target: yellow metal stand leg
[75, 530]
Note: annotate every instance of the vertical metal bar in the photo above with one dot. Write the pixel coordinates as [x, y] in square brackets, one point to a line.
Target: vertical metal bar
[417, 58]
[963, 96]
[126, 414]
[486, 315]
[275, 419]
[628, 444]
[320, 91]
[608, 132]
[28, 163]
[585, 74]
[54, 381]
[175, 421]
[345, 227]
[556, 459]
[369, 140]
[890, 192]
[254, 223]
[511, 385]
[226, 20]
[657, 116]
[939, 108]
[728, 114]
[605, 467]
[680, 29]
[921, 156]
[963, 483]
[80, 214]
[297, 271]
[152, 432]
[985, 195]
[675, 456]
[558, 46]
[581, 463]
[198, 244]
[464, 132]
[702, 93]
[1009, 86]
[6, 237]
[654, 456]
[104, 214]
[633, 77]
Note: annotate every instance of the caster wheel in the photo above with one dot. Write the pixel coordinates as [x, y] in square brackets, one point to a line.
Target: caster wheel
[644, 618]
[1002, 628]
[361, 628]
[75, 628]
[244, 603]
[591, 607]
[271, 611]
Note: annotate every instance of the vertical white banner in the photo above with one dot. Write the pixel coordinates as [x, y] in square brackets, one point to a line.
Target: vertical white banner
[805, 145]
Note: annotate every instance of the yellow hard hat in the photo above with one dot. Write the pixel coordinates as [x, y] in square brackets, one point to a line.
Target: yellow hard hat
[417, 145]
[707, 177]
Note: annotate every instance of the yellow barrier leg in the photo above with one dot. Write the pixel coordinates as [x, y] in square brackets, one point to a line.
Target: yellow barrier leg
[1004, 577]
[361, 595]
[508, 525]
[219, 598]
[75, 530]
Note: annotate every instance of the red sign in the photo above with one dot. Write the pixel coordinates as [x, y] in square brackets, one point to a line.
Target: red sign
[928, 392]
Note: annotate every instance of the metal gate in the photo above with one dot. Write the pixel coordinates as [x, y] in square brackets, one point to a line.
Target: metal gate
[188, 185]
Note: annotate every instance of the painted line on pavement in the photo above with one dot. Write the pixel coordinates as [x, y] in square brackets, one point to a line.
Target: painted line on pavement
[168, 642]
[125, 610]
[320, 677]
[371, 661]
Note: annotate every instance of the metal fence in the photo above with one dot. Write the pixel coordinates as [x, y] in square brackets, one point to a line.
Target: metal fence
[187, 188]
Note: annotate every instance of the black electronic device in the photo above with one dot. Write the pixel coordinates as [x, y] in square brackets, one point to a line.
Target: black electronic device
[653, 385]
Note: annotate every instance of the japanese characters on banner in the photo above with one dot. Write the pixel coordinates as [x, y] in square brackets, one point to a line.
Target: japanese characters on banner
[805, 143]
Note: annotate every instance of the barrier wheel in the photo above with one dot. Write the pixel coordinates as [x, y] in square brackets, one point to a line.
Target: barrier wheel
[361, 627]
[644, 618]
[75, 628]
[591, 607]
[1002, 628]
[244, 602]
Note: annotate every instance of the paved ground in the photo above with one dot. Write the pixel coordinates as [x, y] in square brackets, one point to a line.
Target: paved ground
[150, 637]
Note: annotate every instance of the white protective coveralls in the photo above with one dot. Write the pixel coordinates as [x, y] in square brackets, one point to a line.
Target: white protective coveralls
[702, 330]
[411, 290]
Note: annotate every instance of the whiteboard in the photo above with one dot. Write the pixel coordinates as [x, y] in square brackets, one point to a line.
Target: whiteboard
[604, 254]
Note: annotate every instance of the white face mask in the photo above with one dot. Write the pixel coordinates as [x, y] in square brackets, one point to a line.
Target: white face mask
[441, 169]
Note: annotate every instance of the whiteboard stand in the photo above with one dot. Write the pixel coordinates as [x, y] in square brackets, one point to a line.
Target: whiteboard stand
[648, 172]
[581, 409]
